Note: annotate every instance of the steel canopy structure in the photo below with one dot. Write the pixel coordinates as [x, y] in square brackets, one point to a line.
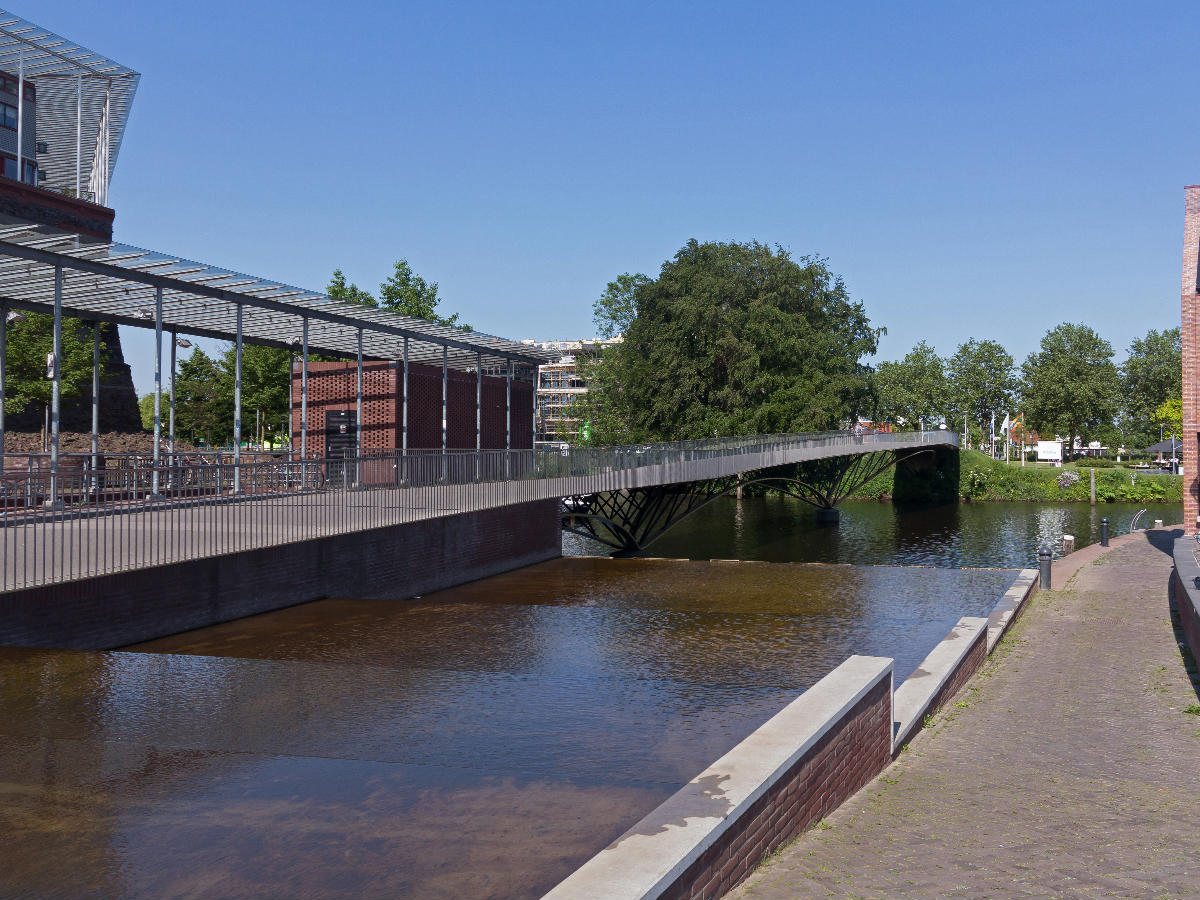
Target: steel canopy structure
[113, 282]
[82, 105]
[47, 270]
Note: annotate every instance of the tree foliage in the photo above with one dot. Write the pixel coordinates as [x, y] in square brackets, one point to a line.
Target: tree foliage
[29, 342]
[203, 400]
[338, 289]
[913, 389]
[614, 310]
[732, 339]
[1151, 376]
[404, 292]
[1071, 386]
[1170, 415]
[982, 382]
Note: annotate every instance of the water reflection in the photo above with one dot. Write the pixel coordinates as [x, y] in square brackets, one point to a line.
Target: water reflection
[482, 741]
[781, 529]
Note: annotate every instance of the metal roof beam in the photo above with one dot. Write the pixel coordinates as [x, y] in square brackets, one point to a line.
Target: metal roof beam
[120, 273]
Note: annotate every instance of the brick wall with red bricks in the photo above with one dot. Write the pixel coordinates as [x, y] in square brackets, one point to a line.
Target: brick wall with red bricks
[1191, 359]
[331, 386]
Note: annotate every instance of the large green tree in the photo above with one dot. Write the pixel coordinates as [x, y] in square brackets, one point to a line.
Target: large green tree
[912, 390]
[982, 383]
[30, 340]
[203, 400]
[1071, 386]
[614, 310]
[266, 388]
[733, 339]
[1152, 375]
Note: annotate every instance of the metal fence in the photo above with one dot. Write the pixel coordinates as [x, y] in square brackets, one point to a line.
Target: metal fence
[95, 516]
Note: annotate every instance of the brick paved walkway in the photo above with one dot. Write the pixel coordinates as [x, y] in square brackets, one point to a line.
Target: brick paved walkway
[1067, 767]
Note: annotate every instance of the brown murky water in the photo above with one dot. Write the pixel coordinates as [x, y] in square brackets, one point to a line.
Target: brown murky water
[480, 742]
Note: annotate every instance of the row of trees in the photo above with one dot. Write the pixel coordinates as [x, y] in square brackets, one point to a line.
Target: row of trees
[1070, 386]
[737, 338]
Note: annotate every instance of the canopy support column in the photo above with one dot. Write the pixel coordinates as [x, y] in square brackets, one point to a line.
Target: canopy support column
[158, 317]
[3, 374]
[79, 137]
[358, 414]
[95, 406]
[404, 403]
[52, 501]
[445, 383]
[171, 420]
[507, 418]
[304, 391]
[237, 406]
[478, 412]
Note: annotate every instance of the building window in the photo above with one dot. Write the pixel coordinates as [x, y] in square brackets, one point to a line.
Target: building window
[8, 116]
[8, 85]
[10, 167]
[31, 173]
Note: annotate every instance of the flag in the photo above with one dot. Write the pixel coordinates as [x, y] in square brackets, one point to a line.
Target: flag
[1005, 423]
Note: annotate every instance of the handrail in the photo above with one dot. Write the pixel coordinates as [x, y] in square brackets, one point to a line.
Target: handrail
[78, 521]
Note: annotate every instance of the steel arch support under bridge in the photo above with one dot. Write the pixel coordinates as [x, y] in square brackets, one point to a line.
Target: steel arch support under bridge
[630, 520]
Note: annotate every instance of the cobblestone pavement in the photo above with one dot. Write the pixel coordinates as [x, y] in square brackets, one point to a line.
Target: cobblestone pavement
[1069, 766]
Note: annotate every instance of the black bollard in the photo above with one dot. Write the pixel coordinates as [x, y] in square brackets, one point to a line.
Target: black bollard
[1104, 531]
[1044, 557]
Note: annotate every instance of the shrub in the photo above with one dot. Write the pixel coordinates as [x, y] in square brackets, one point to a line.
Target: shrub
[1094, 462]
[1067, 479]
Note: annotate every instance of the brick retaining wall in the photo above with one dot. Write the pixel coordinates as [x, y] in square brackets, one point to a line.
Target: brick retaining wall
[797, 767]
[841, 762]
[392, 563]
[962, 674]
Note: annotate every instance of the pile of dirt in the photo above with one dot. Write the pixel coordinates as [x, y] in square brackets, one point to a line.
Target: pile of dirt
[81, 442]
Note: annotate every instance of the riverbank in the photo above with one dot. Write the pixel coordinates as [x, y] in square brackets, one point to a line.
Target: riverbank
[983, 478]
[1065, 768]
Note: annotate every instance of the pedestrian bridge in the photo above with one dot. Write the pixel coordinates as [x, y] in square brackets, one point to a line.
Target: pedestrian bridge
[75, 521]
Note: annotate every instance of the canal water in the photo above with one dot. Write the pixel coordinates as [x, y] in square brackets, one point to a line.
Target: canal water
[479, 742]
[782, 529]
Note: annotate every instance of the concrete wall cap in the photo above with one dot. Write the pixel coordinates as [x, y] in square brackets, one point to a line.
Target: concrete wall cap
[647, 859]
[914, 696]
[1007, 606]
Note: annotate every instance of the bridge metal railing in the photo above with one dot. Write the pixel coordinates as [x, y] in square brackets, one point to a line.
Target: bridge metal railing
[82, 521]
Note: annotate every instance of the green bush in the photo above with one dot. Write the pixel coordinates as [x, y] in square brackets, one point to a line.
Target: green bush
[982, 478]
[1094, 462]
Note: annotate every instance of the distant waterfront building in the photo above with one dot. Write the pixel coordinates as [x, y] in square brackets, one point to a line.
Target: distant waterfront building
[561, 384]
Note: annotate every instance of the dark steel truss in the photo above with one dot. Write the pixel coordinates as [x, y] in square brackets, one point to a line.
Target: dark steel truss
[630, 520]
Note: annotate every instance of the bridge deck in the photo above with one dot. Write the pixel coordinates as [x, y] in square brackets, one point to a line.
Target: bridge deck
[88, 539]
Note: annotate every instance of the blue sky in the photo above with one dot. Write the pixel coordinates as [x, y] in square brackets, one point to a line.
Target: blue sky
[971, 170]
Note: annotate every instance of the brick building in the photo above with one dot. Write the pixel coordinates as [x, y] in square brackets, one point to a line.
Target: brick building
[1191, 358]
[332, 388]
